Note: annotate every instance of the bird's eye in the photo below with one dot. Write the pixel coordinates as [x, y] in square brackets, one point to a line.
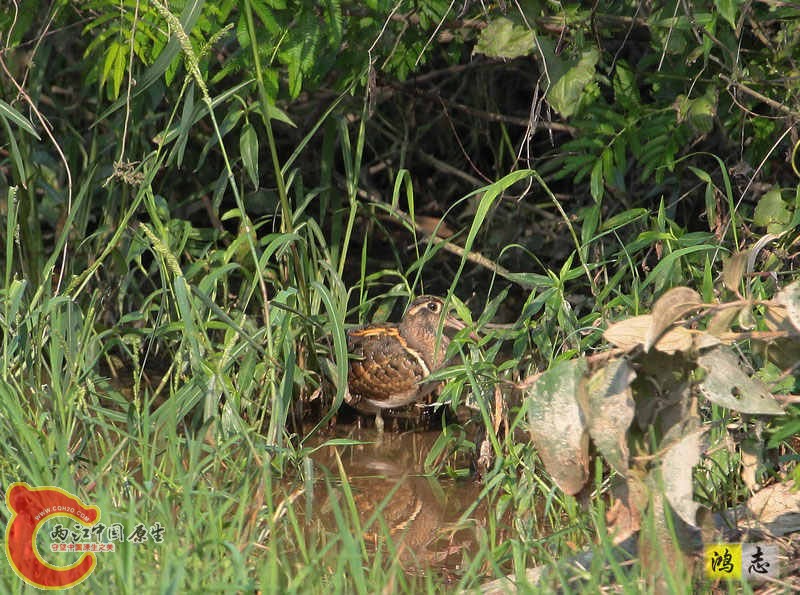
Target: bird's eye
[433, 306]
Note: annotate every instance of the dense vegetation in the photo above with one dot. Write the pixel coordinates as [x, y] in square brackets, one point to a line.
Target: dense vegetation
[196, 199]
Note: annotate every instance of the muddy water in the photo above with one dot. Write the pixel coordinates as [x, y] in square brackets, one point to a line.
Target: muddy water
[424, 522]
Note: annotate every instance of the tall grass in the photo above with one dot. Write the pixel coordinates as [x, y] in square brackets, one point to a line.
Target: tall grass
[178, 368]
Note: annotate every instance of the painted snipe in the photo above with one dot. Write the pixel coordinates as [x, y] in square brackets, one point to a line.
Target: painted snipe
[390, 362]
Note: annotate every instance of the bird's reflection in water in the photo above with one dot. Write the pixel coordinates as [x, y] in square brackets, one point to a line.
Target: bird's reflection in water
[404, 514]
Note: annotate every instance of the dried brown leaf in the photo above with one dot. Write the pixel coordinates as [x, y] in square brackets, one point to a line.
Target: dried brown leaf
[433, 226]
[703, 340]
[663, 398]
[777, 318]
[624, 518]
[676, 472]
[629, 334]
[609, 409]
[750, 455]
[745, 319]
[789, 296]
[776, 509]
[557, 426]
[674, 340]
[733, 270]
[784, 353]
[727, 385]
[669, 308]
[722, 321]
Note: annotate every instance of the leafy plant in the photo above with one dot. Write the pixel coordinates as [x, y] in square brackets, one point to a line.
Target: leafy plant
[640, 403]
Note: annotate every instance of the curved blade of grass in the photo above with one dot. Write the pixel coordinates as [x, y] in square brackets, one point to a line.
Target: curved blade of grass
[336, 317]
[668, 261]
[16, 155]
[222, 315]
[352, 535]
[11, 227]
[490, 195]
[6, 111]
[29, 438]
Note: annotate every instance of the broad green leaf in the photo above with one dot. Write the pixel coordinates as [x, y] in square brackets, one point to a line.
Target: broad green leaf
[729, 10]
[505, 39]
[772, 212]
[698, 112]
[702, 113]
[565, 92]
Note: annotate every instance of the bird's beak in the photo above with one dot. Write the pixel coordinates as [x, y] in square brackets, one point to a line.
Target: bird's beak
[456, 324]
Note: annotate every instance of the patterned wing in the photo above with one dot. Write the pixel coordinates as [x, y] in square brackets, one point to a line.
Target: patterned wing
[384, 369]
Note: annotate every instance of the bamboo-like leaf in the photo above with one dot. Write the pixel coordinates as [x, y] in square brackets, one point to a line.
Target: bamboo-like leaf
[490, 194]
[186, 312]
[192, 11]
[34, 457]
[596, 181]
[662, 270]
[16, 155]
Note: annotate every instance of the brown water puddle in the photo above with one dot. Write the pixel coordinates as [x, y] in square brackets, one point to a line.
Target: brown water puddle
[427, 523]
[394, 498]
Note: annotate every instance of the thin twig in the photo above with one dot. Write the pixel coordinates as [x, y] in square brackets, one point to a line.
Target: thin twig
[755, 94]
[475, 257]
